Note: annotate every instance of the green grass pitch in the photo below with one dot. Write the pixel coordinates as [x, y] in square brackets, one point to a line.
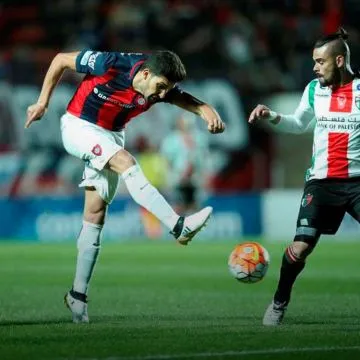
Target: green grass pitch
[157, 300]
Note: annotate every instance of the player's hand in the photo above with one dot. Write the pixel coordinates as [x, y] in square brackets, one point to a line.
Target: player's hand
[214, 123]
[34, 112]
[261, 112]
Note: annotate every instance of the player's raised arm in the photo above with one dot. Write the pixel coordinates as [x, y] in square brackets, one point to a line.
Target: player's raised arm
[294, 123]
[58, 65]
[190, 103]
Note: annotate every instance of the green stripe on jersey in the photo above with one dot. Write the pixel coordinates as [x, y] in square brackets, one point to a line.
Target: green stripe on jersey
[312, 92]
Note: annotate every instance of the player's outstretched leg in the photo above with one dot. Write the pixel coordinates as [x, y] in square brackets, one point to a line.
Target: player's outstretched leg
[146, 195]
[77, 304]
[186, 228]
[291, 267]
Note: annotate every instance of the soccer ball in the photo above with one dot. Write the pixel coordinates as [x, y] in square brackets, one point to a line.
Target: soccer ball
[248, 262]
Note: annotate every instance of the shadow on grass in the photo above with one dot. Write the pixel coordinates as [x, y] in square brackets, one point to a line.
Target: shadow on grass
[139, 320]
[59, 321]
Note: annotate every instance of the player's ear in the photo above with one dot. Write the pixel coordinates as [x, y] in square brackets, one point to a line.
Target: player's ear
[340, 61]
[146, 73]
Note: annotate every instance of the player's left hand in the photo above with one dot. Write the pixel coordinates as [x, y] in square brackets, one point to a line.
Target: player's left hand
[214, 123]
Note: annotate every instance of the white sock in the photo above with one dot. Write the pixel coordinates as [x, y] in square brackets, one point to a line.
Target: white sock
[88, 244]
[148, 196]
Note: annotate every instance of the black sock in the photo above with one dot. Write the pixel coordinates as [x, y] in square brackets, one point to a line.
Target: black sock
[78, 296]
[290, 269]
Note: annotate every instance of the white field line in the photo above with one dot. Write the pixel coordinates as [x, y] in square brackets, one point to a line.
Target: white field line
[228, 353]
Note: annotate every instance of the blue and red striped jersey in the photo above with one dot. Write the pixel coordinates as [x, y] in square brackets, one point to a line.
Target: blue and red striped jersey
[105, 96]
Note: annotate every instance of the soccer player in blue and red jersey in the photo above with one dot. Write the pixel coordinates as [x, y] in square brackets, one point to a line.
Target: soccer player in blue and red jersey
[117, 87]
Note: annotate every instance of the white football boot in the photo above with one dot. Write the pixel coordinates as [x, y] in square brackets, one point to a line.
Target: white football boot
[77, 306]
[274, 314]
[191, 225]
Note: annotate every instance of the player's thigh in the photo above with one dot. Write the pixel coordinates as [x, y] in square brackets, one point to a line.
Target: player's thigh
[90, 142]
[321, 210]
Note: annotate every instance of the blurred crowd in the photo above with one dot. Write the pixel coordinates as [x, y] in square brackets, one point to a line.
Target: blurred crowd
[259, 46]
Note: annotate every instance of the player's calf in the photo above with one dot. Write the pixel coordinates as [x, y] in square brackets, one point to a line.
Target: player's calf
[293, 263]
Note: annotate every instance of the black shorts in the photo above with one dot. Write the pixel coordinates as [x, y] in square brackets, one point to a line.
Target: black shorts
[324, 204]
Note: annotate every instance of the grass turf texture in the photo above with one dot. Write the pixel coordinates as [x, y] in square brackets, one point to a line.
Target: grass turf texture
[157, 300]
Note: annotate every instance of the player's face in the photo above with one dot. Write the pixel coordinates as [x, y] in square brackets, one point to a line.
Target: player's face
[326, 67]
[156, 87]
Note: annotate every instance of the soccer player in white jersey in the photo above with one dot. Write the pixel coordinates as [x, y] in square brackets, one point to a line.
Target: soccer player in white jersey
[333, 180]
[117, 87]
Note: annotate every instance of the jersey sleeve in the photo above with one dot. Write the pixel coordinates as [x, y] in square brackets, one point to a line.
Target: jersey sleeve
[305, 110]
[95, 62]
[176, 90]
[98, 63]
[297, 122]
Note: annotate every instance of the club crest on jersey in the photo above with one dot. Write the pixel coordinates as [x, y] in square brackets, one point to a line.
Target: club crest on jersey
[97, 150]
[341, 100]
[141, 101]
[357, 101]
[306, 200]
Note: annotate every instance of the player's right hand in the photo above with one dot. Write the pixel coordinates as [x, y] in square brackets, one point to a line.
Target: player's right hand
[261, 112]
[34, 112]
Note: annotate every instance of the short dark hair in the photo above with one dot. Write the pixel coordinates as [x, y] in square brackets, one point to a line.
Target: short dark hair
[165, 63]
[339, 38]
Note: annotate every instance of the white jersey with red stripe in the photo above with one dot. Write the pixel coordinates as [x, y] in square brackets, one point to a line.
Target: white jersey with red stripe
[336, 146]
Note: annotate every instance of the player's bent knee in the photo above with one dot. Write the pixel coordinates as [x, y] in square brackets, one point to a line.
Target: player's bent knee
[121, 161]
[95, 207]
[303, 246]
[95, 217]
[95, 212]
[299, 249]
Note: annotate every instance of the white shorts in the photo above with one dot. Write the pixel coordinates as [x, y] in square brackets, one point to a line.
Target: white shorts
[95, 145]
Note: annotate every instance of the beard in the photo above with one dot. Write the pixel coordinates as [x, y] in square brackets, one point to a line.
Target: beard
[323, 82]
[334, 78]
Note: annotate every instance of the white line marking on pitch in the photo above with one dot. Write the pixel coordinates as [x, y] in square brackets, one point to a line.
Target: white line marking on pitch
[229, 353]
